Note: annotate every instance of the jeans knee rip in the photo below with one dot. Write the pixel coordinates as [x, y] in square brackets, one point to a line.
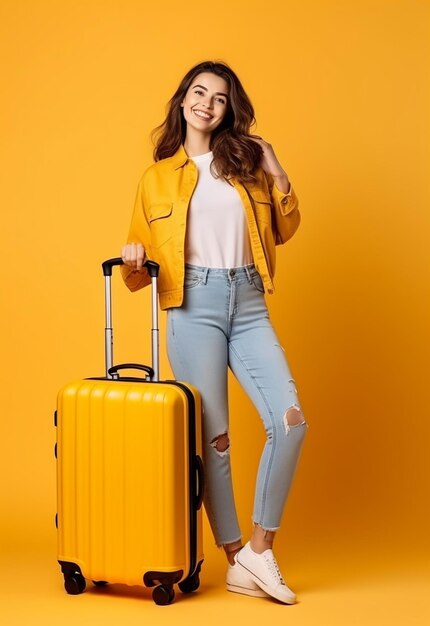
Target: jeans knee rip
[294, 424]
[221, 444]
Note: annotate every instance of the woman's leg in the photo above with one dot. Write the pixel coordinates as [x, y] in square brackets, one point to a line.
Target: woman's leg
[258, 360]
[198, 353]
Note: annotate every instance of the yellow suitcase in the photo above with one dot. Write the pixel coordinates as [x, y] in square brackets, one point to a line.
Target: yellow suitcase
[130, 478]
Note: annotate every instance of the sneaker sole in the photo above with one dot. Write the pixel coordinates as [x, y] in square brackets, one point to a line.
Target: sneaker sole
[266, 588]
[291, 600]
[257, 593]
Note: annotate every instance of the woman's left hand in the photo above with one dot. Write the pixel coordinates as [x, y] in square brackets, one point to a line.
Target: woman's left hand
[269, 162]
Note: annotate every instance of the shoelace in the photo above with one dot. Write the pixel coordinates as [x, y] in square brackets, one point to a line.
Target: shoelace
[274, 569]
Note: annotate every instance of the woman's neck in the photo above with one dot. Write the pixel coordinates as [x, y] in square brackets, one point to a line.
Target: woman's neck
[197, 144]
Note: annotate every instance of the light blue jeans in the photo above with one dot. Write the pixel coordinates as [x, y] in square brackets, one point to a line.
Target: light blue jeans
[224, 322]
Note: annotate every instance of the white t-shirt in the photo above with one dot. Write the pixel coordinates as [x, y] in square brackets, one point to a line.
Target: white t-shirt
[217, 229]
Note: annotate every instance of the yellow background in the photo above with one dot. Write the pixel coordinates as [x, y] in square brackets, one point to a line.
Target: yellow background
[341, 91]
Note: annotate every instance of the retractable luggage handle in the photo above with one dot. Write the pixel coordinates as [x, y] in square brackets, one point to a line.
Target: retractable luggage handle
[153, 270]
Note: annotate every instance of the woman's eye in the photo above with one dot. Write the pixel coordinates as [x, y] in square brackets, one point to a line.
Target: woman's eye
[200, 92]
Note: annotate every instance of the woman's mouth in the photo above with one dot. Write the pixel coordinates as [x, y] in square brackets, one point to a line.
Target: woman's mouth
[202, 115]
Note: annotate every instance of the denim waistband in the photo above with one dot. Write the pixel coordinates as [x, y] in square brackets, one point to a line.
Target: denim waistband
[228, 272]
[223, 270]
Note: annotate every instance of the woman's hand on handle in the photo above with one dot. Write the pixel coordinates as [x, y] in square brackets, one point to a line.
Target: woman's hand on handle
[133, 255]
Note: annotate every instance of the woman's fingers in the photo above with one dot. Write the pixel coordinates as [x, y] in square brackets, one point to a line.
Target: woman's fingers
[126, 253]
[133, 254]
[139, 256]
[130, 254]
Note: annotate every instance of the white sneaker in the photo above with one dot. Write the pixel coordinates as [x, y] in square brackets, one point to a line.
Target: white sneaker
[239, 581]
[264, 571]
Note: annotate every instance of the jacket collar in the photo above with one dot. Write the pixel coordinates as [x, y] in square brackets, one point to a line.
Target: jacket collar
[179, 158]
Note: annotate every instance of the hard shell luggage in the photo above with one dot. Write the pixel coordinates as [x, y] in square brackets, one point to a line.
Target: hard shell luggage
[130, 477]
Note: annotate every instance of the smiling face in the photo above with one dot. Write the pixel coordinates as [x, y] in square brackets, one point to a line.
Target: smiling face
[206, 102]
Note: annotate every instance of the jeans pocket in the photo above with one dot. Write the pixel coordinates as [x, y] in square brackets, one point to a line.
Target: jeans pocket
[257, 281]
[192, 279]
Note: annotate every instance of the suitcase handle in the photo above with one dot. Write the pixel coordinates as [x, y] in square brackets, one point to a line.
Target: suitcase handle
[113, 371]
[201, 482]
[153, 269]
[152, 266]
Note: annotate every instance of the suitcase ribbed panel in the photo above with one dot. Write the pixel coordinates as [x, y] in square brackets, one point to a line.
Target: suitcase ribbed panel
[123, 479]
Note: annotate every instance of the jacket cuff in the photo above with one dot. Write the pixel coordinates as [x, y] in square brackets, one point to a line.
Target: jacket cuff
[135, 279]
[286, 201]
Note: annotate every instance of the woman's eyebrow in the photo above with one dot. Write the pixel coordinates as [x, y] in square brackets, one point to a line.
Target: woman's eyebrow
[217, 93]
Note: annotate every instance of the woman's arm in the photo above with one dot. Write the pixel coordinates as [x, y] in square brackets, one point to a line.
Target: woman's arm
[282, 182]
[134, 275]
[271, 165]
[286, 215]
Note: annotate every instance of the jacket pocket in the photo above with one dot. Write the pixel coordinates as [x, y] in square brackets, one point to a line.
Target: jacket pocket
[262, 205]
[161, 223]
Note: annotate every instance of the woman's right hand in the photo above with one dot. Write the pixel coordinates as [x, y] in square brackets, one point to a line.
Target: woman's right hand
[133, 254]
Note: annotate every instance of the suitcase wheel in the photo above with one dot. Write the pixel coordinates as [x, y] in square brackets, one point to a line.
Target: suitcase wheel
[163, 595]
[190, 584]
[74, 583]
[100, 583]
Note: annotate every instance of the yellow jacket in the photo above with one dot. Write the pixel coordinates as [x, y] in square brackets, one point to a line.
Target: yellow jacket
[160, 217]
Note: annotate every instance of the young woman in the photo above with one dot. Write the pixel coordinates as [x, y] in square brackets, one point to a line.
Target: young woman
[210, 211]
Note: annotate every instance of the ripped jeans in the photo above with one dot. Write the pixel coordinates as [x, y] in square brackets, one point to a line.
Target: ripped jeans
[224, 322]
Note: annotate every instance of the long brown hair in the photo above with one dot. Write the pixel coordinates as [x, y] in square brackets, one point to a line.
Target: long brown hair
[234, 152]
